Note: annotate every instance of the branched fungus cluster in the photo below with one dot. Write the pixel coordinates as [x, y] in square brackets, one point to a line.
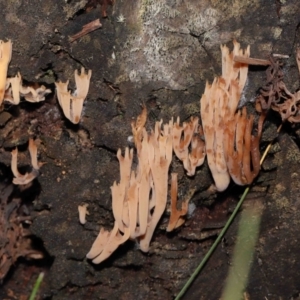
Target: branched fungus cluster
[140, 198]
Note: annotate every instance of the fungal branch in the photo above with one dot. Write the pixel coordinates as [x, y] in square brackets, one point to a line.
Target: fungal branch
[11, 89]
[140, 198]
[231, 148]
[27, 177]
[72, 104]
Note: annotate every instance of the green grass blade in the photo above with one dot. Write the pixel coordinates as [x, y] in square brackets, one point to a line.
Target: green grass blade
[36, 286]
[222, 233]
[243, 252]
[213, 247]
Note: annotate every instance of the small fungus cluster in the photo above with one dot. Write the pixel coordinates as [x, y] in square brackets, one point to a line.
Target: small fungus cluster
[27, 177]
[231, 148]
[140, 198]
[11, 89]
[72, 104]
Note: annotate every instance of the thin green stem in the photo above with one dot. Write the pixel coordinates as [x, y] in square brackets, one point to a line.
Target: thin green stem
[36, 286]
[222, 233]
[213, 247]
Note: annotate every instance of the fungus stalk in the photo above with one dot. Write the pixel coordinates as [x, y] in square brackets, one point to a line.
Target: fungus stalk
[5, 57]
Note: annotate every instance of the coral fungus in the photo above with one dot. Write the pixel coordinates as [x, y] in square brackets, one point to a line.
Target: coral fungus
[140, 198]
[72, 104]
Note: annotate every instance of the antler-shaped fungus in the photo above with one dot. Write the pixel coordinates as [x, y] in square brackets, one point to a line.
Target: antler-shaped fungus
[72, 104]
[119, 191]
[186, 136]
[218, 105]
[160, 157]
[27, 177]
[241, 148]
[5, 57]
[176, 216]
[212, 115]
[14, 89]
[106, 243]
[140, 198]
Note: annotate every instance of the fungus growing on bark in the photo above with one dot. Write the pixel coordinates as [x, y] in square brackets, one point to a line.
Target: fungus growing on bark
[160, 157]
[82, 211]
[176, 216]
[11, 88]
[27, 177]
[5, 57]
[138, 125]
[140, 198]
[34, 95]
[241, 148]
[145, 180]
[119, 190]
[72, 104]
[14, 89]
[218, 106]
[212, 115]
[106, 243]
[185, 136]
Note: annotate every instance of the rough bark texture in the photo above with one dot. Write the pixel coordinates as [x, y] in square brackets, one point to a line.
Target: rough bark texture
[161, 53]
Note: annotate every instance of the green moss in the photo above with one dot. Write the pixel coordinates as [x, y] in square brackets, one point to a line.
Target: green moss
[192, 108]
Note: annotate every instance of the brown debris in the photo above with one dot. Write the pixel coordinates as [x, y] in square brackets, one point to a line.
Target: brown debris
[104, 4]
[274, 94]
[274, 89]
[92, 26]
[251, 61]
[298, 58]
[14, 238]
